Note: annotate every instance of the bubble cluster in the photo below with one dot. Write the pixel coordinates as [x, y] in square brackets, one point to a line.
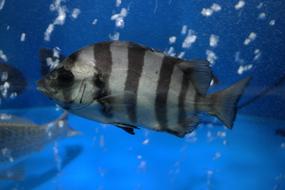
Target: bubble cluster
[75, 13]
[240, 4]
[210, 11]
[61, 10]
[94, 22]
[211, 56]
[214, 40]
[3, 56]
[251, 37]
[2, 3]
[23, 37]
[243, 68]
[172, 39]
[119, 18]
[189, 39]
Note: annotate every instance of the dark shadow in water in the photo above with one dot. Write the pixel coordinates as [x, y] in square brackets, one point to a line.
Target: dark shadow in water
[71, 152]
[280, 132]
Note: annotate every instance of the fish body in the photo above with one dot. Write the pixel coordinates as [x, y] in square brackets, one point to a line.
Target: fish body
[129, 85]
[19, 137]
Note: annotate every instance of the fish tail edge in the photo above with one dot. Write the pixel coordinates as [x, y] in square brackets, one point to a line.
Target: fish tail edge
[225, 102]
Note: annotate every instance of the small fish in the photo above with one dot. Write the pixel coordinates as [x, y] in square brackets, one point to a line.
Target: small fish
[12, 81]
[131, 86]
[19, 137]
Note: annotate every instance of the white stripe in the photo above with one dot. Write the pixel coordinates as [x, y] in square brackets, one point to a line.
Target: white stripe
[85, 64]
[118, 76]
[173, 97]
[119, 68]
[147, 89]
[190, 98]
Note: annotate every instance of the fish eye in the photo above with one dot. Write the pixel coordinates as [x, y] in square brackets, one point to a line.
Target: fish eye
[65, 76]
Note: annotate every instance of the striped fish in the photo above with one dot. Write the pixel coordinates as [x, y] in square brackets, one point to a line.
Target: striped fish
[132, 86]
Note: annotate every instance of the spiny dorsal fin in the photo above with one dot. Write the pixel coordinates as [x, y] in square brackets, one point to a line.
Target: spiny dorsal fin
[199, 73]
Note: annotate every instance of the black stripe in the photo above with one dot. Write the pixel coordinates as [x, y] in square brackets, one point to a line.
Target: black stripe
[182, 115]
[103, 66]
[103, 59]
[135, 67]
[164, 80]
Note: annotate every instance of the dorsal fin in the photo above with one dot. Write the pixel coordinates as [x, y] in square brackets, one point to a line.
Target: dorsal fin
[199, 73]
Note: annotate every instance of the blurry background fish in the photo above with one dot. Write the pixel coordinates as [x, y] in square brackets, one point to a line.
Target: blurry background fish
[20, 137]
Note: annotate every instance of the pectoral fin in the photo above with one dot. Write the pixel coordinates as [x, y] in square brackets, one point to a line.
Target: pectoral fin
[126, 127]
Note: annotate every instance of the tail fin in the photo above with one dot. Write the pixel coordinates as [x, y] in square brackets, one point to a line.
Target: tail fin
[225, 102]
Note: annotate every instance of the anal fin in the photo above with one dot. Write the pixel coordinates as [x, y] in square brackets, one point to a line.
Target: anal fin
[126, 127]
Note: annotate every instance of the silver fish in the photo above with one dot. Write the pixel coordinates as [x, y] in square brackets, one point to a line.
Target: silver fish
[19, 137]
[131, 86]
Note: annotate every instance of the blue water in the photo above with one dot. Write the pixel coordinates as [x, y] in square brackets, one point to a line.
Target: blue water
[250, 156]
